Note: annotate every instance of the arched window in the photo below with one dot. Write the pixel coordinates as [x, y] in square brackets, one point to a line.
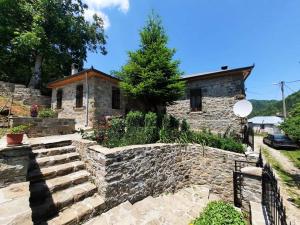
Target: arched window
[59, 96]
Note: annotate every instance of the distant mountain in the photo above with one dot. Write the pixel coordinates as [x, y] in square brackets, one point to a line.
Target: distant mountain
[273, 107]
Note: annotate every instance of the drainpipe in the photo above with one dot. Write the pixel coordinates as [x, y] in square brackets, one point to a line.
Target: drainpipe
[87, 100]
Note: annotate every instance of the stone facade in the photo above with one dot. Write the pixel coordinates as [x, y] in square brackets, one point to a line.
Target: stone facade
[219, 94]
[40, 127]
[135, 172]
[14, 163]
[99, 101]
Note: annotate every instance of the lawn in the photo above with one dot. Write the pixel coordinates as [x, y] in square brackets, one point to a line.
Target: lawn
[293, 155]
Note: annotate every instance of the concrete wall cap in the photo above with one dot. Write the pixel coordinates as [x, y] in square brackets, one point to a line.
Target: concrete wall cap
[252, 171]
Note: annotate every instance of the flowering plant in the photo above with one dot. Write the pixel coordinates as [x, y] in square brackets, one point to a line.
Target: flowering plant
[34, 111]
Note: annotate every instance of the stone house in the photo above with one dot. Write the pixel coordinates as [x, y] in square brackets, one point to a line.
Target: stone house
[209, 99]
[208, 102]
[86, 96]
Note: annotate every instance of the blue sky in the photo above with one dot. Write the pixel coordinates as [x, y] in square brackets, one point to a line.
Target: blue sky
[208, 34]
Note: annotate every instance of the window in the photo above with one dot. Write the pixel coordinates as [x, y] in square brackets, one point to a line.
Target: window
[196, 99]
[115, 98]
[79, 96]
[59, 96]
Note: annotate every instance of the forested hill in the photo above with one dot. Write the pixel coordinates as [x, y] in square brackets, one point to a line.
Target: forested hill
[272, 107]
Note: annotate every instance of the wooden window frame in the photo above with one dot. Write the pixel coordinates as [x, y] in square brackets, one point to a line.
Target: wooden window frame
[196, 99]
[115, 98]
[79, 96]
[59, 98]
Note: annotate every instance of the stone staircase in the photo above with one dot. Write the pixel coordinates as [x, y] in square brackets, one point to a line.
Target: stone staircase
[168, 209]
[60, 190]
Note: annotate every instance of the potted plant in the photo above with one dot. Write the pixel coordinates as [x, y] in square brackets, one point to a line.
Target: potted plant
[15, 135]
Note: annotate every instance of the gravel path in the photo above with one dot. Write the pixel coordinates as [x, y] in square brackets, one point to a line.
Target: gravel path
[293, 213]
[286, 164]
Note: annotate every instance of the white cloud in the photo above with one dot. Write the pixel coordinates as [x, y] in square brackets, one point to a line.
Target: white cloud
[89, 13]
[97, 6]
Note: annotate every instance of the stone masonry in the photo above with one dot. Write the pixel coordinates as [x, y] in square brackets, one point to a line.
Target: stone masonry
[219, 94]
[99, 102]
[135, 172]
[40, 127]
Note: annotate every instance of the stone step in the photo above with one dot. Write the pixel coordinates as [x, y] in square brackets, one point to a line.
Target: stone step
[53, 151]
[54, 171]
[80, 211]
[51, 144]
[45, 188]
[54, 160]
[59, 200]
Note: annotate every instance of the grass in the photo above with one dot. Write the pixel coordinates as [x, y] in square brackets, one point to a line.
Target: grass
[290, 180]
[293, 155]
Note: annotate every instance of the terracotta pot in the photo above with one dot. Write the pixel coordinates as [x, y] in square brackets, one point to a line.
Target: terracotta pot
[14, 139]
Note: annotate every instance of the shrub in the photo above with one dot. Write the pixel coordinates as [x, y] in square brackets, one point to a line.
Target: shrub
[169, 131]
[184, 127]
[115, 133]
[134, 119]
[47, 113]
[21, 129]
[219, 213]
[151, 128]
[231, 145]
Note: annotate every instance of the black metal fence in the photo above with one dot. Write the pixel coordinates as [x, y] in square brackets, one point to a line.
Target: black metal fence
[271, 198]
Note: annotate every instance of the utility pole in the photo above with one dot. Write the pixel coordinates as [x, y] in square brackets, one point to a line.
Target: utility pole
[282, 83]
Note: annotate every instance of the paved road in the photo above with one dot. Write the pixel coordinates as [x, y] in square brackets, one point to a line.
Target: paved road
[286, 164]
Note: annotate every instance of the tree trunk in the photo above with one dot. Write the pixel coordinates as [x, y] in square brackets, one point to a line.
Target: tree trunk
[36, 77]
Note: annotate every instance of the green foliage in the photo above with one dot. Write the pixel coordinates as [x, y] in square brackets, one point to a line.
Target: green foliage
[47, 113]
[184, 126]
[151, 75]
[220, 213]
[54, 32]
[151, 128]
[170, 129]
[291, 125]
[134, 119]
[21, 129]
[272, 107]
[115, 133]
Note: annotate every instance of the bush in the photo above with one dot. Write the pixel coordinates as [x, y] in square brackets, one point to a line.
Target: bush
[184, 127]
[47, 113]
[219, 213]
[170, 129]
[134, 119]
[21, 129]
[151, 128]
[231, 145]
[115, 133]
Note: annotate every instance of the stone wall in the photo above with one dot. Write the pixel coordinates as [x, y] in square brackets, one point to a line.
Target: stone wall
[251, 186]
[14, 163]
[135, 172]
[99, 102]
[40, 127]
[218, 97]
[24, 95]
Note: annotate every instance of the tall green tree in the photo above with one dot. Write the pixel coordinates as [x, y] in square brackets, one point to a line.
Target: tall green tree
[291, 125]
[151, 76]
[50, 33]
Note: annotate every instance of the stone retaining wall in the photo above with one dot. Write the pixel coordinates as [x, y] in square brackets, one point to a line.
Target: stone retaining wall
[135, 172]
[13, 164]
[23, 94]
[41, 127]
